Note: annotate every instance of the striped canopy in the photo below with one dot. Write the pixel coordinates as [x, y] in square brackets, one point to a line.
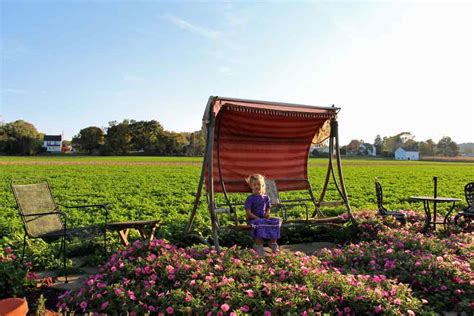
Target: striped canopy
[263, 137]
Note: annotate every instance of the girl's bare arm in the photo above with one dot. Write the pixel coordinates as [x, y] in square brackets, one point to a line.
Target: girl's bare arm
[250, 215]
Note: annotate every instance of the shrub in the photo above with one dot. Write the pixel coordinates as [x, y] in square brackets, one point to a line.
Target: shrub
[160, 278]
[437, 269]
[15, 277]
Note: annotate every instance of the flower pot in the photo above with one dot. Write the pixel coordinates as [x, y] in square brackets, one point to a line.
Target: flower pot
[13, 307]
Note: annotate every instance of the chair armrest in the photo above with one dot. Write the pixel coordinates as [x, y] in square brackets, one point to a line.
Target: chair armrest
[104, 205]
[96, 206]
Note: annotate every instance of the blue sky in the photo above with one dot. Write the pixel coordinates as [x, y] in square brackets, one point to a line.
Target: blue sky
[391, 67]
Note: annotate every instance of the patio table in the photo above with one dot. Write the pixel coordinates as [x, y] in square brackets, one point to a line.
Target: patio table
[123, 229]
[426, 205]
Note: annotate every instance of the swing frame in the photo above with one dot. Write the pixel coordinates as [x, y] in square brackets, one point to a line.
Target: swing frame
[213, 122]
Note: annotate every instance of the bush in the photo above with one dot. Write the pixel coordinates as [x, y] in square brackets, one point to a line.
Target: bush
[159, 277]
[436, 267]
[15, 277]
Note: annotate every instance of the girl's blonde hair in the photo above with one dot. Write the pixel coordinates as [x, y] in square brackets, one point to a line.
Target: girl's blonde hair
[257, 177]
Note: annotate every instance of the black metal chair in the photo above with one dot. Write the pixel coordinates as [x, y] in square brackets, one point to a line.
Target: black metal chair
[382, 211]
[43, 218]
[467, 213]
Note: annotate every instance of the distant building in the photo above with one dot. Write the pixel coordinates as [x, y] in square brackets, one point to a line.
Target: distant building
[367, 149]
[53, 143]
[402, 154]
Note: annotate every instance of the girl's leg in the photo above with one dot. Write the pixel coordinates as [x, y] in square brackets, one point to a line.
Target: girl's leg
[259, 246]
[274, 246]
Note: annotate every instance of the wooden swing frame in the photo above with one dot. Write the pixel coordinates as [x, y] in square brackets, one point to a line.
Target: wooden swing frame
[213, 147]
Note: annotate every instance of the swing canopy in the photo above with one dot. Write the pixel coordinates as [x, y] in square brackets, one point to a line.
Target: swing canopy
[269, 138]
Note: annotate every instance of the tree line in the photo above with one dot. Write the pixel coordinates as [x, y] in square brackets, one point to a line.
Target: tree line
[149, 137]
[387, 146]
[130, 136]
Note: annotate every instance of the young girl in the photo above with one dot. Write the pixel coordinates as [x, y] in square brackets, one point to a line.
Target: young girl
[257, 208]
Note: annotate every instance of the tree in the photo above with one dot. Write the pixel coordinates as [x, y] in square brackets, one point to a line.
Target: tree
[427, 148]
[196, 144]
[447, 147]
[89, 139]
[353, 146]
[19, 137]
[145, 135]
[119, 136]
[378, 144]
[390, 144]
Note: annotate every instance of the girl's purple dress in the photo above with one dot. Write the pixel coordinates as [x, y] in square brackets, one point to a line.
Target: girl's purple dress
[268, 228]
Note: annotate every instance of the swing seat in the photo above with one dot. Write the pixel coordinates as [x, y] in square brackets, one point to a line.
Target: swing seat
[283, 207]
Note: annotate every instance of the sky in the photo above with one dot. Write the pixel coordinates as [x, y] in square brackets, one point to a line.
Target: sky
[391, 67]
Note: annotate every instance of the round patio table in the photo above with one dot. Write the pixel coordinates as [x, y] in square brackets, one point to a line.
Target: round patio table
[435, 200]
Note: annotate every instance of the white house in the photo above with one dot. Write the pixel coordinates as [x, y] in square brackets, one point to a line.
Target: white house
[53, 143]
[402, 154]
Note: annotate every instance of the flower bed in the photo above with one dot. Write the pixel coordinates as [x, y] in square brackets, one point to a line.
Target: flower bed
[437, 268]
[390, 270]
[161, 278]
[15, 277]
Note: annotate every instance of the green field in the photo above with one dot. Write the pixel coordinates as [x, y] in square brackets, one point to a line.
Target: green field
[164, 187]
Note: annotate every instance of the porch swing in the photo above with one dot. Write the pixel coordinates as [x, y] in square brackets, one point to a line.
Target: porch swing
[273, 139]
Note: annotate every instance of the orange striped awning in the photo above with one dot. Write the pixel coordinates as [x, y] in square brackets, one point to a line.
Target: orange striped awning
[269, 138]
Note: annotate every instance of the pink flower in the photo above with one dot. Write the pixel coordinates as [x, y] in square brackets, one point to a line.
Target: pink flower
[83, 305]
[188, 298]
[347, 310]
[389, 250]
[225, 307]
[118, 291]
[104, 305]
[244, 308]
[396, 301]
[233, 314]
[378, 309]
[410, 312]
[249, 293]
[131, 295]
[170, 310]
[113, 269]
[267, 313]
[377, 279]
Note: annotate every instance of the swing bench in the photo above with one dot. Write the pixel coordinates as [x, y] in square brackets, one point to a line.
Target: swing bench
[273, 139]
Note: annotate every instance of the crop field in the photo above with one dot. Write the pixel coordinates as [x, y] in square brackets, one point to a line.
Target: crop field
[164, 187]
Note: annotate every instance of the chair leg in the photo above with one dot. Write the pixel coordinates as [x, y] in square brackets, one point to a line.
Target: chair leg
[64, 258]
[105, 244]
[24, 246]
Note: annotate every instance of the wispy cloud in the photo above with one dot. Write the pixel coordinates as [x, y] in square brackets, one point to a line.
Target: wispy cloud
[193, 28]
[13, 91]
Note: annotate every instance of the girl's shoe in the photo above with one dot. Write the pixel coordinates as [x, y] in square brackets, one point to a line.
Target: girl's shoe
[274, 247]
[259, 249]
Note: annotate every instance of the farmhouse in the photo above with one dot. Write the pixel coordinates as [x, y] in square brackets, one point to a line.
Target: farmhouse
[52, 143]
[402, 154]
